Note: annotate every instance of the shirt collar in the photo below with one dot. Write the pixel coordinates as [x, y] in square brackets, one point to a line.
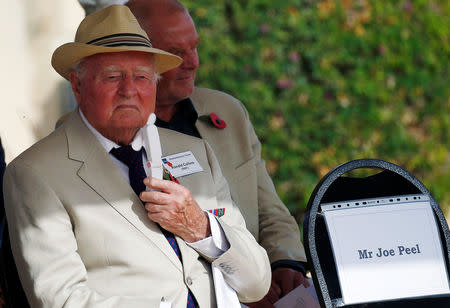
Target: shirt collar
[186, 113]
[108, 145]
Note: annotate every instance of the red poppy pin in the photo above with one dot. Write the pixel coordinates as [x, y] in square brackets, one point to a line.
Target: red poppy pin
[214, 119]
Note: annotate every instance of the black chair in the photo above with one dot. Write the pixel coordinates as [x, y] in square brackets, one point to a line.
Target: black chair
[10, 283]
[336, 187]
[12, 290]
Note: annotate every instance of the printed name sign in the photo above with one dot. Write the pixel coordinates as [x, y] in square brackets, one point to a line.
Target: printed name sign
[181, 164]
[388, 251]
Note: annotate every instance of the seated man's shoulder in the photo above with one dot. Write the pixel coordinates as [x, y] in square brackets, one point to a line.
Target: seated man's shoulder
[216, 99]
[51, 150]
[63, 118]
[171, 136]
[173, 141]
[225, 106]
[45, 150]
[198, 91]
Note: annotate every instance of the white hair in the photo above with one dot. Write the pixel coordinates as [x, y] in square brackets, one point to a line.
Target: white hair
[91, 6]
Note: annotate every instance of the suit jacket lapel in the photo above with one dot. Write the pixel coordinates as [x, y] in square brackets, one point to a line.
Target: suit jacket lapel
[205, 131]
[203, 127]
[103, 176]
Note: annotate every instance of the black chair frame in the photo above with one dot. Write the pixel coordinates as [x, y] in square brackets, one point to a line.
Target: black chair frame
[317, 242]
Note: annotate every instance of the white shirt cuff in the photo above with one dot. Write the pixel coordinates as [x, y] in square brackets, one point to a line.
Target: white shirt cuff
[214, 245]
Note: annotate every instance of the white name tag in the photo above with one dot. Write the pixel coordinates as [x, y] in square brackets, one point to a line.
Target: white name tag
[181, 164]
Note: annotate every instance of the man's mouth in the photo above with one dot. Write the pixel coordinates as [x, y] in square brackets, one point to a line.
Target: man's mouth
[185, 77]
[127, 106]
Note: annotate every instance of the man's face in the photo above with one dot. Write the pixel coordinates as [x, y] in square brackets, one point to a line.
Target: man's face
[116, 92]
[176, 34]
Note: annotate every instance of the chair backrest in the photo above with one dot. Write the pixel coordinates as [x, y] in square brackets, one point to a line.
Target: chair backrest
[335, 187]
[11, 287]
[13, 292]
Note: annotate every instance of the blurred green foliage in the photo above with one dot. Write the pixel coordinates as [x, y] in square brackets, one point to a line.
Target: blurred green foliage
[326, 82]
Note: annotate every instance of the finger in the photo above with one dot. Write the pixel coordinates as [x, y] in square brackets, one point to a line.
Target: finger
[289, 279]
[298, 280]
[158, 184]
[301, 280]
[275, 288]
[286, 287]
[156, 197]
[162, 213]
[274, 293]
[286, 284]
[161, 218]
[155, 208]
[297, 277]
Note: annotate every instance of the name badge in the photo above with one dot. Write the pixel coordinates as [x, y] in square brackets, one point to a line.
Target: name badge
[181, 164]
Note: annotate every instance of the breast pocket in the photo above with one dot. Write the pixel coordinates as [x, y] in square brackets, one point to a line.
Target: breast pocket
[244, 170]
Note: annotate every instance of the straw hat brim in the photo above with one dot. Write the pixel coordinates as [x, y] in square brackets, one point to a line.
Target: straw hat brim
[66, 56]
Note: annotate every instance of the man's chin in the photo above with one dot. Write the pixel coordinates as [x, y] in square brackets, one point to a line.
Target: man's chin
[129, 116]
[186, 91]
[129, 122]
[185, 85]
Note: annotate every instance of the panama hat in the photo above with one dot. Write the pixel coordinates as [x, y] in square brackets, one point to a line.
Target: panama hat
[113, 29]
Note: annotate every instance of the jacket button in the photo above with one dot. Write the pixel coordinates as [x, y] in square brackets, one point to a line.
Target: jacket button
[189, 281]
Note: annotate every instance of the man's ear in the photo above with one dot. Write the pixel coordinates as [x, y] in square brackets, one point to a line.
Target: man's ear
[76, 85]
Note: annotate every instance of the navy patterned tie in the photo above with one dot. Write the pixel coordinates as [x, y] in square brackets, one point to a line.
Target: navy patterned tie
[136, 173]
[133, 159]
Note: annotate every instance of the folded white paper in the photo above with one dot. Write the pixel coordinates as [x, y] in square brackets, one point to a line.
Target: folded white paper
[153, 166]
[226, 296]
[300, 297]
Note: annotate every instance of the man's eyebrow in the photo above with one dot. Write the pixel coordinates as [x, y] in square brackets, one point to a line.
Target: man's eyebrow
[111, 68]
[144, 68]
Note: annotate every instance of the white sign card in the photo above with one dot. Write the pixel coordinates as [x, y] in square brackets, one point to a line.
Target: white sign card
[387, 252]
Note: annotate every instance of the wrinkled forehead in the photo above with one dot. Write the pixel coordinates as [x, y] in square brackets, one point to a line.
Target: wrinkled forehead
[119, 60]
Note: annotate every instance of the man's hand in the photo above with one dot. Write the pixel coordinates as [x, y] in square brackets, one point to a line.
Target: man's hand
[271, 297]
[172, 206]
[288, 279]
[284, 280]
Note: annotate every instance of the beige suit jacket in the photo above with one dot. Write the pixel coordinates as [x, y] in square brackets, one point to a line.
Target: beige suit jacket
[238, 151]
[81, 237]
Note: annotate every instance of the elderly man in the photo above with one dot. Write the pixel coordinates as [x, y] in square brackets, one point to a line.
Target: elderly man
[85, 231]
[182, 107]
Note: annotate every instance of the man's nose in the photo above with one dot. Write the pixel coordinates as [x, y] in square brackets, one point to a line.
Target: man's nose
[128, 87]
